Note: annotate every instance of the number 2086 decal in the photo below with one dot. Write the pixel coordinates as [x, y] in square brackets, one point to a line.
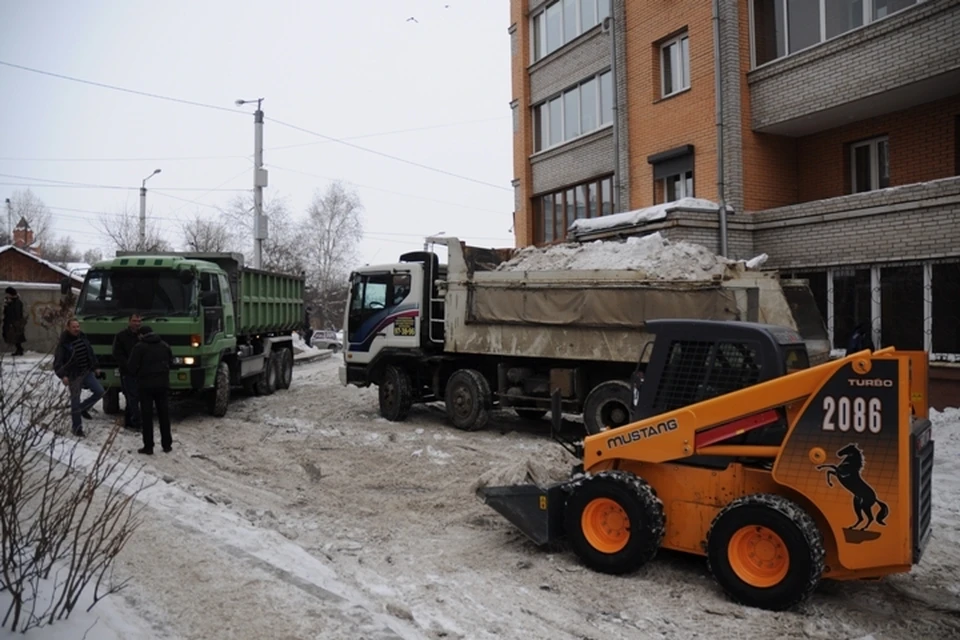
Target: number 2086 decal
[852, 414]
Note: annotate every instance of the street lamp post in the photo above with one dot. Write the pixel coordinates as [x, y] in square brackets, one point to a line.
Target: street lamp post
[143, 210]
[259, 182]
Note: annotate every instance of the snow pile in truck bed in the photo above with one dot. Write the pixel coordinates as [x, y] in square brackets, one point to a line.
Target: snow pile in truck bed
[635, 217]
[653, 255]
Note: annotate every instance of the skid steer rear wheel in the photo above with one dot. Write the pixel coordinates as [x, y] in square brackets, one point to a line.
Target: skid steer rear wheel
[607, 406]
[614, 522]
[765, 551]
[468, 400]
[395, 394]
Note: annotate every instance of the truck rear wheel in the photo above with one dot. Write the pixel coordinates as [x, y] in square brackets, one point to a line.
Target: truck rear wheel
[468, 400]
[607, 406]
[765, 551]
[285, 369]
[614, 521]
[220, 394]
[111, 402]
[395, 393]
[267, 383]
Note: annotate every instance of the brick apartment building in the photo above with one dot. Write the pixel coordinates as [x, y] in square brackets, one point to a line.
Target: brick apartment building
[829, 129]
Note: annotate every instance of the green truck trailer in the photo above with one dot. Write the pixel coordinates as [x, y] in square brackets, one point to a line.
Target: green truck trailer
[228, 325]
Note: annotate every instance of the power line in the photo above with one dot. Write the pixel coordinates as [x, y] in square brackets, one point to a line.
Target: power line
[123, 89]
[66, 183]
[387, 155]
[164, 159]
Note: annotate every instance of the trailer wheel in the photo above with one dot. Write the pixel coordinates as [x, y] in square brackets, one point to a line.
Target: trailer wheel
[607, 406]
[468, 400]
[220, 394]
[765, 551]
[614, 521]
[395, 393]
[267, 382]
[111, 402]
[285, 369]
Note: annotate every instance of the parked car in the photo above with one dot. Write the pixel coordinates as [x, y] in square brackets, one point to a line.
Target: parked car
[326, 340]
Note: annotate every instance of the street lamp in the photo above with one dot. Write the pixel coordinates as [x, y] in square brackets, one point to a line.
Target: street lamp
[259, 182]
[143, 209]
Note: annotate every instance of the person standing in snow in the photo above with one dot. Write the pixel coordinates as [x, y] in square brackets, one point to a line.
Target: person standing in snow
[14, 322]
[76, 365]
[149, 363]
[123, 344]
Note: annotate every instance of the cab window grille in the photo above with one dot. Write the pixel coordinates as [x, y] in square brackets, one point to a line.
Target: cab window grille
[697, 371]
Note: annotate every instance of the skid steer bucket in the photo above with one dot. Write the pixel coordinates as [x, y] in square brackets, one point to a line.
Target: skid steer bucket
[536, 511]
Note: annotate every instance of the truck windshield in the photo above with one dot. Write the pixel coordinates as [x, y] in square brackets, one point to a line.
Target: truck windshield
[156, 292]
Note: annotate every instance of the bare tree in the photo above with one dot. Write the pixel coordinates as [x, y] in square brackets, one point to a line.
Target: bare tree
[283, 249]
[60, 251]
[205, 235]
[336, 228]
[123, 232]
[92, 255]
[25, 204]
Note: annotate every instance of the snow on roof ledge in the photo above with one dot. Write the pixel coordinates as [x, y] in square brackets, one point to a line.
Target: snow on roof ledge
[647, 214]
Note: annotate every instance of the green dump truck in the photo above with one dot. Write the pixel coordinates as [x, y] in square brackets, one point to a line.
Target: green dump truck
[228, 325]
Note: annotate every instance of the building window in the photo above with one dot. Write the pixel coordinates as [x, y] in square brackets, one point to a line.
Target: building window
[781, 27]
[577, 111]
[945, 291]
[901, 307]
[555, 212]
[564, 20]
[672, 174]
[675, 65]
[870, 165]
[852, 296]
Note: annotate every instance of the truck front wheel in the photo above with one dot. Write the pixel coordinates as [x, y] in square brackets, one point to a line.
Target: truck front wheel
[396, 394]
[220, 395]
[468, 400]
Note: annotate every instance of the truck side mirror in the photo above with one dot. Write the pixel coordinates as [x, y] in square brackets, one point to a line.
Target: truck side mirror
[65, 286]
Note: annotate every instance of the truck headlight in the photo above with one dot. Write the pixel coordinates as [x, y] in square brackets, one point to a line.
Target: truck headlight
[189, 360]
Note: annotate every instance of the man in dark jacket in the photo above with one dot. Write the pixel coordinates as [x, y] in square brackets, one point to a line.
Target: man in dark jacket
[123, 344]
[150, 364]
[76, 365]
[14, 322]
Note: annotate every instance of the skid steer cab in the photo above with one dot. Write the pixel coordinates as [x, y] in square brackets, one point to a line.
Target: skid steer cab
[780, 474]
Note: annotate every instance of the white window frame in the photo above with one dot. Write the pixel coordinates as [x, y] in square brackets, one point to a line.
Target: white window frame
[684, 71]
[597, 105]
[868, 6]
[536, 56]
[681, 186]
[874, 145]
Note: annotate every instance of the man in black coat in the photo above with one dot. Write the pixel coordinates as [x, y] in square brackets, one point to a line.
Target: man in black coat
[76, 365]
[14, 322]
[123, 344]
[150, 363]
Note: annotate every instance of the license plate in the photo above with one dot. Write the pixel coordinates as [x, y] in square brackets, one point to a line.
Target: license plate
[116, 372]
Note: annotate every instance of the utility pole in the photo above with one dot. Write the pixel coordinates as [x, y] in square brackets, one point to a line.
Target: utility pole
[143, 210]
[610, 26]
[10, 220]
[259, 182]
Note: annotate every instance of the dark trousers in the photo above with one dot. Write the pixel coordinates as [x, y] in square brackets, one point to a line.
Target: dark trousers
[132, 407]
[148, 398]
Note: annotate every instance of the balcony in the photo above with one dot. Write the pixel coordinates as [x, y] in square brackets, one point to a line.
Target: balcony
[909, 58]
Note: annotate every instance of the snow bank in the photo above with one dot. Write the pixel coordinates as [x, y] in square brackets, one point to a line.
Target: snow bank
[299, 346]
[647, 214]
[653, 255]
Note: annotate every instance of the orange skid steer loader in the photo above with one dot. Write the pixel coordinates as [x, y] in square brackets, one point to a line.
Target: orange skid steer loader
[779, 473]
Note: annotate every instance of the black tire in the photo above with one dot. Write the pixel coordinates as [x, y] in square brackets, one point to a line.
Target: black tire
[220, 394]
[607, 406]
[614, 522]
[267, 382]
[111, 401]
[251, 385]
[285, 369]
[468, 400]
[395, 392]
[795, 551]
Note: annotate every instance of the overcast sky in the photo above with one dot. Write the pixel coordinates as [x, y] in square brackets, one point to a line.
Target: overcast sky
[341, 68]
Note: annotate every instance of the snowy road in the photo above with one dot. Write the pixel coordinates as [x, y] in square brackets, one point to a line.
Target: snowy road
[304, 515]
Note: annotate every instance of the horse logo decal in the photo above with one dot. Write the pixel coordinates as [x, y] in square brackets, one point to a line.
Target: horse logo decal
[848, 474]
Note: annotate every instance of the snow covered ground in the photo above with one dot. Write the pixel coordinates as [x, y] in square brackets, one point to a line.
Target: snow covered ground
[305, 515]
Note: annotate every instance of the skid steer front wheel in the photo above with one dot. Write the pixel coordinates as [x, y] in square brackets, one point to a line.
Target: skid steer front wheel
[765, 551]
[614, 521]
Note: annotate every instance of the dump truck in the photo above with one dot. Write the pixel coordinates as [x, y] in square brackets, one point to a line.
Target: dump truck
[476, 335]
[227, 324]
[779, 473]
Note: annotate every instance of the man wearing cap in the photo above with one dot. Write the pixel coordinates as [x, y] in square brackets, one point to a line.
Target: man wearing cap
[13, 321]
[149, 363]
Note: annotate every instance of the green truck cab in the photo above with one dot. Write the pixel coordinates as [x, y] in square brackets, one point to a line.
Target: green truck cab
[228, 325]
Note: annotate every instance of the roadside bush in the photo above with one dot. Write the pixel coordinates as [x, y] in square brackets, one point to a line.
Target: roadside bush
[66, 512]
